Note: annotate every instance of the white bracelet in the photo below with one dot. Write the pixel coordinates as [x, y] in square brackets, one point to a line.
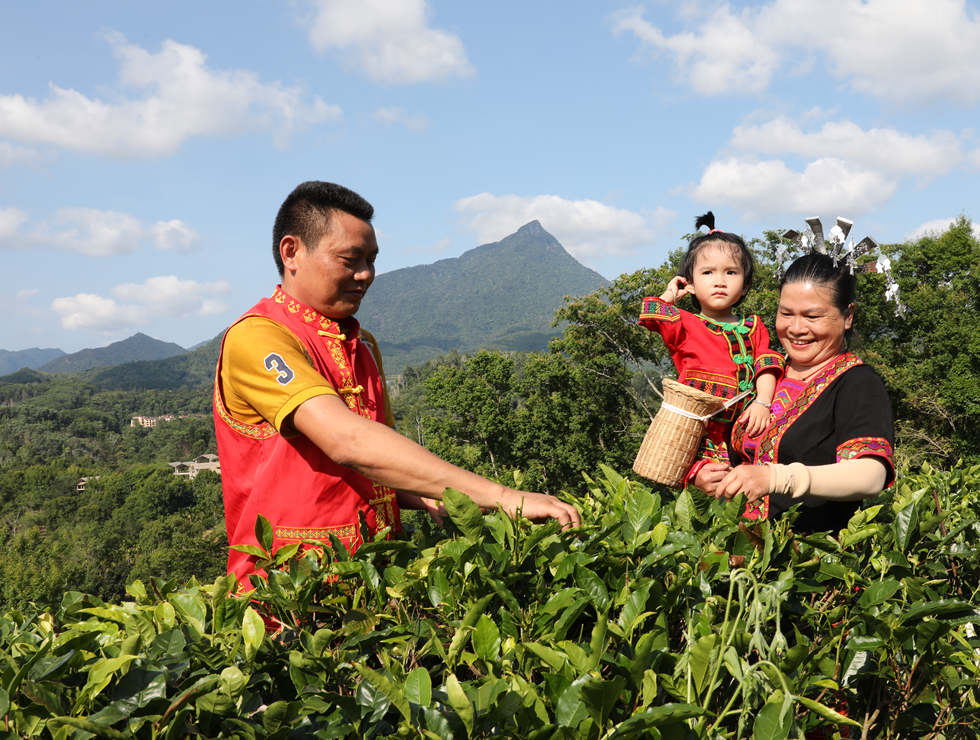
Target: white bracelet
[762, 403]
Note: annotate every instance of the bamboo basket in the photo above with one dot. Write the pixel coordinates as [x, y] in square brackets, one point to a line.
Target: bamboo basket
[672, 441]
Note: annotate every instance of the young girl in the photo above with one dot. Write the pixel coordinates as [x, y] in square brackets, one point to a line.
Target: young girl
[714, 350]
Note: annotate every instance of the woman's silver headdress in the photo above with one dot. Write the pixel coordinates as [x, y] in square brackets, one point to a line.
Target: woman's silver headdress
[840, 249]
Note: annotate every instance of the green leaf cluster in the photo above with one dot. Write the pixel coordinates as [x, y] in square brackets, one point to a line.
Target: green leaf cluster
[657, 619]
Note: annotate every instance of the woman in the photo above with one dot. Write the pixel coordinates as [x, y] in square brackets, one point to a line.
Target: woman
[829, 440]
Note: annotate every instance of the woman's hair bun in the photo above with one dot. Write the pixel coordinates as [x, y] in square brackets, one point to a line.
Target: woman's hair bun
[708, 219]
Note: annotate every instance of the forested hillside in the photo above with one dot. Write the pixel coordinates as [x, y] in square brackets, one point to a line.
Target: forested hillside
[133, 515]
[501, 295]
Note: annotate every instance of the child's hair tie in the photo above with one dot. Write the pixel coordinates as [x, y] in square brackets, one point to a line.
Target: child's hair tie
[841, 250]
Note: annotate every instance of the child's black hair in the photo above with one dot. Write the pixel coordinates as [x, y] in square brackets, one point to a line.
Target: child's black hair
[736, 245]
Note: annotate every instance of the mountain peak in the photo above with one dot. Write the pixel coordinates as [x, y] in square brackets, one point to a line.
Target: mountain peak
[532, 228]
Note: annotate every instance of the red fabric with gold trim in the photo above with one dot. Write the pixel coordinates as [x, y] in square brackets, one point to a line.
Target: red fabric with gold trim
[303, 493]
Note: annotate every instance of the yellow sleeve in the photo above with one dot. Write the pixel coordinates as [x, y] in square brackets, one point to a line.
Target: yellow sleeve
[266, 373]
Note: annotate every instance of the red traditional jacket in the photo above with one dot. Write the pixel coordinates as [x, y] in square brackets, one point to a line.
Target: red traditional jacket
[303, 493]
[715, 357]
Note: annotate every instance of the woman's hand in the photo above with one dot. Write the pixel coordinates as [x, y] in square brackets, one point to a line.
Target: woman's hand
[755, 418]
[676, 289]
[752, 480]
[709, 476]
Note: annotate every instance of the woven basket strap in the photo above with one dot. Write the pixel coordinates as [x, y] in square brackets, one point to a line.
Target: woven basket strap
[690, 415]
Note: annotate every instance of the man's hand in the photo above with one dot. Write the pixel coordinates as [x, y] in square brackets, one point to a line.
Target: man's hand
[433, 507]
[752, 480]
[540, 506]
[383, 455]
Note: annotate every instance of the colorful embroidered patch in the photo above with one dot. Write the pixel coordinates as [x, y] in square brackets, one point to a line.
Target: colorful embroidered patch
[864, 446]
[658, 310]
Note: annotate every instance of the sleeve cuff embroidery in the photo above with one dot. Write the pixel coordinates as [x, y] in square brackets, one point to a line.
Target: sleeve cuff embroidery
[655, 309]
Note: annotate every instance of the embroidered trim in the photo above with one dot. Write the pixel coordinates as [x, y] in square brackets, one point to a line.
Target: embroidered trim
[714, 452]
[658, 310]
[717, 384]
[738, 349]
[342, 532]
[383, 505]
[768, 450]
[255, 431]
[864, 446]
[768, 360]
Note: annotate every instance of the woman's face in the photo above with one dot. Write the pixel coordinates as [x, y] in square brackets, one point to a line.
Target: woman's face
[809, 325]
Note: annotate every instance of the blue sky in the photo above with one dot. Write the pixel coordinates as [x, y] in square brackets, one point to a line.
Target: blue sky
[145, 148]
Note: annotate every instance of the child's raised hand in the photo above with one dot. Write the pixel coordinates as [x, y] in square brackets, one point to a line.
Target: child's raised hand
[677, 288]
[755, 418]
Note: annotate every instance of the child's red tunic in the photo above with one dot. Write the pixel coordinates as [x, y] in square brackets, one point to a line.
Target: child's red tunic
[718, 358]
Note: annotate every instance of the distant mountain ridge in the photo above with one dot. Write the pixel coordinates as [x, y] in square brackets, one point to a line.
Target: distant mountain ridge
[33, 358]
[135, 348]
[501, 295]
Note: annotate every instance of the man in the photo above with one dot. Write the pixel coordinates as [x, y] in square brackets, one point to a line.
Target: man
[301, 415]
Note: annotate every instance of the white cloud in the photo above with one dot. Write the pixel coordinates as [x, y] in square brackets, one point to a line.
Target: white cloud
[11, 220]
[400, 117]
[183, 98]
[92, 232]
[724, 56]
[139, 304]
[172, 235]
[843, 166]
[937, 227]
[899, 50]
[766, 186]
[881, 149]
[974, 158]
[12, 155]
[390, 40]
[27, 293]
[586, 228]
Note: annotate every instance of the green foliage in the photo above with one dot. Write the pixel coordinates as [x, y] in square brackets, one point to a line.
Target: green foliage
[49, 418]
[658, 619]
[536, 418]
[930, 358]
[135, 524]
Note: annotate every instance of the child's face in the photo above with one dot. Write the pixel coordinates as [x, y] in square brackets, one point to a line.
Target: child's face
[718, 279]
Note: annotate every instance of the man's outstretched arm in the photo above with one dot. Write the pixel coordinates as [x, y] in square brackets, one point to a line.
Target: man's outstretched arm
[383, 455]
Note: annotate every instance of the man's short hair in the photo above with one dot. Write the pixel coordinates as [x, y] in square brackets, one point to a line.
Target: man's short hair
[306, 213]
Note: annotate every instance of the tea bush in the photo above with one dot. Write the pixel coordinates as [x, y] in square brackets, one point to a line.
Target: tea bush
[657, 619]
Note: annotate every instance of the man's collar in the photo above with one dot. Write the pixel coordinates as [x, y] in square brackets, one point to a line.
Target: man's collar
[349, 326]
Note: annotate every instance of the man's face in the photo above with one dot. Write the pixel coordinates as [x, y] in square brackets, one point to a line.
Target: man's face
[334, 276]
